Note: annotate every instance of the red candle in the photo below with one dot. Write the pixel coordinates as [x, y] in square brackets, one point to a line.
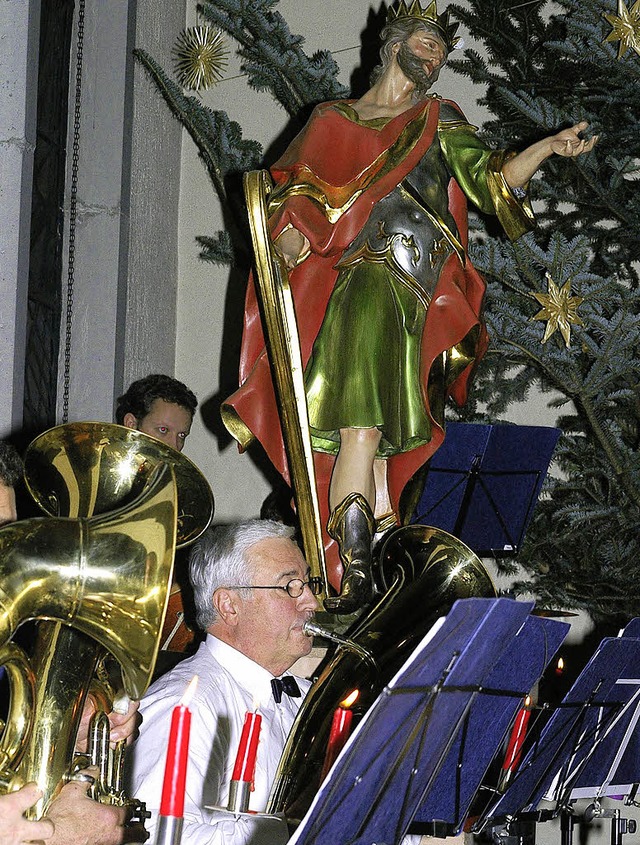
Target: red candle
[517, 738]
[340, 730]
[245, 766]
[175, 771]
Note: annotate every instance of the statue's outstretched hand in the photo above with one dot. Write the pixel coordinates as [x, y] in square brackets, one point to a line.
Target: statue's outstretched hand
[568, 142]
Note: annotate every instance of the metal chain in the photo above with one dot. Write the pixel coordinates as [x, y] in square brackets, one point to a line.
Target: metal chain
[73, 204]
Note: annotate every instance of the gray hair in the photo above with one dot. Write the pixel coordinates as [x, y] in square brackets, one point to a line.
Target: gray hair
[219, 558]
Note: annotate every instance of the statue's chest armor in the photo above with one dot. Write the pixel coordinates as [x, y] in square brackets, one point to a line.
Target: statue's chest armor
[411, 229]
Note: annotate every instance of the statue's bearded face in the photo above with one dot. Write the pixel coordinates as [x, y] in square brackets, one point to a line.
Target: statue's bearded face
[420, 58]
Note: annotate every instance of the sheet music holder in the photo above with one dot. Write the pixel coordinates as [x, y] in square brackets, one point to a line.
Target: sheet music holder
[577, 753]
[483, 483]
[386, 770]
[614, 770]
[520, 667]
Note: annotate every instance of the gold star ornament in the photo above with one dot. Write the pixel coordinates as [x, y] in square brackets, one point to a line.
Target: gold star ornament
[559, 309]
[200, 57]
[625, 28]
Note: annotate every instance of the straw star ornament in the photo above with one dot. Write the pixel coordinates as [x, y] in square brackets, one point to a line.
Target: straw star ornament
[625, 28]
[559, 309]
[200, 57]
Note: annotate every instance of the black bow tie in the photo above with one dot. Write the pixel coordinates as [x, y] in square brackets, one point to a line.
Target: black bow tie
[287, 684]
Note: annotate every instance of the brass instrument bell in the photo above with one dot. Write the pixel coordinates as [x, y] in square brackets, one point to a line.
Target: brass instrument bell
[97, 574]
[89, 468]
[424, 571]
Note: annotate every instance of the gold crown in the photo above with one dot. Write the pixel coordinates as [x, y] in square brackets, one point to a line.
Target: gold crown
[430, 17]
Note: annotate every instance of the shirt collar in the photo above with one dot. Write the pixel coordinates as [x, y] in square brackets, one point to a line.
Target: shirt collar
[246, 672]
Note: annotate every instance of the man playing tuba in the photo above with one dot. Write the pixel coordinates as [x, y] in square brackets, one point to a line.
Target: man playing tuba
[369, 216]
[74, 818]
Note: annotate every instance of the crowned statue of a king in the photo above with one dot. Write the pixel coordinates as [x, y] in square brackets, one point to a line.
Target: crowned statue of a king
[369, 216]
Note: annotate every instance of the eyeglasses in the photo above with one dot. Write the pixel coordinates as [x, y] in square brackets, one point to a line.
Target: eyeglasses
[294, 588]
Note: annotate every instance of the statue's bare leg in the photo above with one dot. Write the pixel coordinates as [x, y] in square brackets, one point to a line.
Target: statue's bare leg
[354, 467]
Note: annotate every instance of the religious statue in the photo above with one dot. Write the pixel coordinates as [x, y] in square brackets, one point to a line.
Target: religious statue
[369, 217]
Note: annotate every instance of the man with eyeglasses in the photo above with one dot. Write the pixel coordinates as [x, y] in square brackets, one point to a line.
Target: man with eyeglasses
[253, 594]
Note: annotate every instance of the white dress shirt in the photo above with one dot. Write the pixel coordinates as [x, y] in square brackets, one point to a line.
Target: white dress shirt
[229, 685]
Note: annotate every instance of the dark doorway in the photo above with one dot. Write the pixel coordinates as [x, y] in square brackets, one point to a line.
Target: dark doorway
[47, 216]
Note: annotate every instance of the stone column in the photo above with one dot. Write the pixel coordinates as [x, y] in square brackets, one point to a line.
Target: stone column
[124, 253]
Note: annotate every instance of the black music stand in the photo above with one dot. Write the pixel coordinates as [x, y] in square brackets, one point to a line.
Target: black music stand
[483, 483]
[632, 629]
[520, 667]
[417, 727]
[586, 748]
[615, 770]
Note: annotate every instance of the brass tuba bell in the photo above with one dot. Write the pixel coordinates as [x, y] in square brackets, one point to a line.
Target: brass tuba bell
[89, 468]
[106, 576]
[98, 574]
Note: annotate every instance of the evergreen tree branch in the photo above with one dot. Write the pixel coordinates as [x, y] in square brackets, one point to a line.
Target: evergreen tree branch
[618, 467]
[189, 112]
[273, 58]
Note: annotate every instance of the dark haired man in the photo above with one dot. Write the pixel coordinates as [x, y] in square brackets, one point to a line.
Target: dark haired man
[160, 406]
[163, 407]
[369, 215]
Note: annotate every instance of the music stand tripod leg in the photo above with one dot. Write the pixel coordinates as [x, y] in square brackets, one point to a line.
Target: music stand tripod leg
[567, 823]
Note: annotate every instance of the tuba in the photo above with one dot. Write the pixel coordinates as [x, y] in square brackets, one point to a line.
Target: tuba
[88, 468]
[97, 574]
[423, 571]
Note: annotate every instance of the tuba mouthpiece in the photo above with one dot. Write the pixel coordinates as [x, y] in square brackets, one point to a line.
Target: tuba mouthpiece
[312, 629]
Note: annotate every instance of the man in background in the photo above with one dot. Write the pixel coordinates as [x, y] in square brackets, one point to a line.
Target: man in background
[10, 477]
[253, 595]
[160, 406]
[163, 407]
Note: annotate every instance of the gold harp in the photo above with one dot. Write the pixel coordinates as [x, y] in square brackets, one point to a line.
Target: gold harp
[281, 330]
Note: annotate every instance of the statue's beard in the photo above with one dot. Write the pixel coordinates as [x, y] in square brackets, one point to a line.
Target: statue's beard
[413, 69]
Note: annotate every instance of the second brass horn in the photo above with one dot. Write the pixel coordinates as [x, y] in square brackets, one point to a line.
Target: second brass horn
[89, 468]
[101, 576]
[424, 571]
[107, 576]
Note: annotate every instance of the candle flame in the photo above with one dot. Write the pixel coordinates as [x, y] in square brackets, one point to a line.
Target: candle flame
[527, 702]
[560, 666]
[189, 692]
[350, 699]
